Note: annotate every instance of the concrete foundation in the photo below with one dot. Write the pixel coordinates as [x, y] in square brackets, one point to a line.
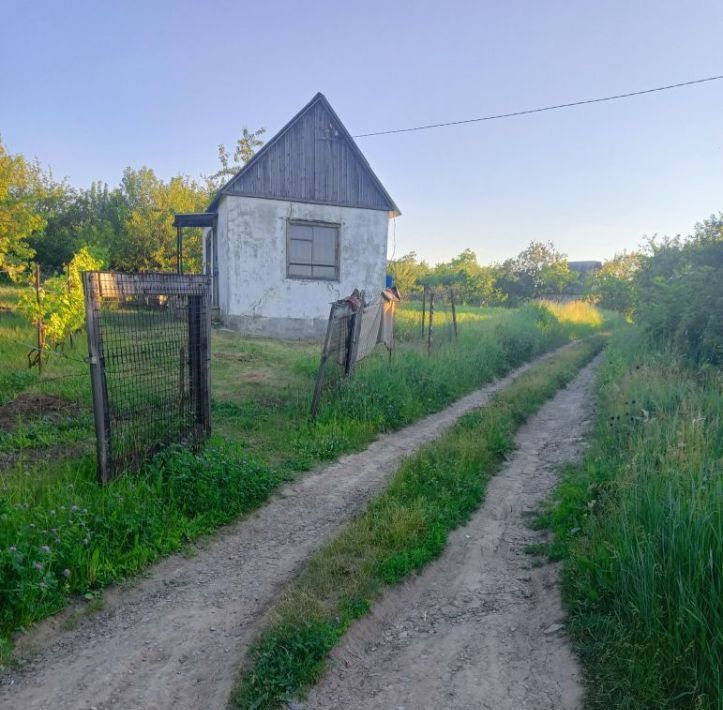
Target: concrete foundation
[282, 328]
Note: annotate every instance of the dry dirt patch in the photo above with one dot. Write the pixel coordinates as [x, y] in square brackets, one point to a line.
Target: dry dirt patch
[33, 406]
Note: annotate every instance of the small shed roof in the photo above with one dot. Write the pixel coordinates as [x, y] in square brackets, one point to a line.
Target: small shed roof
[198, 219]
[313, 158]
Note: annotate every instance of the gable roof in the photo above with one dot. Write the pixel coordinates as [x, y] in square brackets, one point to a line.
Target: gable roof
[313, 158]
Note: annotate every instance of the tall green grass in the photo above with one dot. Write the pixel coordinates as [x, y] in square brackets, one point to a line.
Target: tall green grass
[433, 492]
[61, 534]
[640, 525]
[408, 321]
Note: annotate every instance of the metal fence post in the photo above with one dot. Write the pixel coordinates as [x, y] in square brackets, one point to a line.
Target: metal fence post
[322, 365]
[91, 291]
[431, 316]
[424, 306]
[454, 312]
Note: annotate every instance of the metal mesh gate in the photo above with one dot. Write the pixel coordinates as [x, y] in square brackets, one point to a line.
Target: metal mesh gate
[148, 341]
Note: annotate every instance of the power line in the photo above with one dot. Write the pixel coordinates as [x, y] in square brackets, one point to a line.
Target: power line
[540, 110]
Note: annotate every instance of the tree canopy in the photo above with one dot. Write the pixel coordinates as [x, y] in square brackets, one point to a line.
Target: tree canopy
[20, 184]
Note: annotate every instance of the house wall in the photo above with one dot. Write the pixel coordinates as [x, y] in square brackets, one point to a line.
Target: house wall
[255, 295]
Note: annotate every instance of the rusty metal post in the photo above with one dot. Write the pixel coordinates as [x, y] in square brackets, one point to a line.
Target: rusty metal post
[454, 312]
[101, 413]
[322, 365]
[424, 306]
[431, 317]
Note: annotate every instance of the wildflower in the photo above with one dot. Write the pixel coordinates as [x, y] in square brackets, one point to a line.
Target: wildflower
[43, 585]
[74, 509]
[38, 565]
[66, 572]
[45, 549]
[13, 548]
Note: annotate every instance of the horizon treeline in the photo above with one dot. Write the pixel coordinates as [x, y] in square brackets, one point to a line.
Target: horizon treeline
[129, 227]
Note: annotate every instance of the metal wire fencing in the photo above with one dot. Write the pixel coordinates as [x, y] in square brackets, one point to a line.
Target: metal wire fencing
[353, 331]
[148, 342]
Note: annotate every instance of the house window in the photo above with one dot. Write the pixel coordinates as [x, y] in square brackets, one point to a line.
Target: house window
[312, 251]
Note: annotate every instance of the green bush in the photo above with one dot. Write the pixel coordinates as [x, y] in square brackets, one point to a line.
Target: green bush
[680, 294]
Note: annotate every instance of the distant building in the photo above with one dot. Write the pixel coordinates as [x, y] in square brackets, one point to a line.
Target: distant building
[302, 224]
[583, 268]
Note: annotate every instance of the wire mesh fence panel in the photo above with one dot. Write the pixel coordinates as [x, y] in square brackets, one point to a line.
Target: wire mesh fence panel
[148, 341]
[353, 331]
[336, 352]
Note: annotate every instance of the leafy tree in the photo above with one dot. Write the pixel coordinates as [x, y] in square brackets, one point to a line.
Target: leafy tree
[408, 272]
[538, 270]
[59, 307]
[613, 285]
[246, 147]
[472, 282]
[147, 240]
[680, 293]
[20, 182]
[56, 242]
[546, 268]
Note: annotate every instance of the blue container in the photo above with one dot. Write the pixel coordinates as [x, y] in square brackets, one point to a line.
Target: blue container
[390, 280]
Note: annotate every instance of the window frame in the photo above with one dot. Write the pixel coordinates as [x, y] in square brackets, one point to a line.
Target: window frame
[290, 223]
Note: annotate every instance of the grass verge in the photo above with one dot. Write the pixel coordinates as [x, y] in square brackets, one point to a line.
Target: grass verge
[61, 534]
[401, 530]
[639, 525]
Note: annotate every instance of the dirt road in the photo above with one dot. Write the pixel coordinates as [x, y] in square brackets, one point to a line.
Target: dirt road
[175, 638]
[481, 627]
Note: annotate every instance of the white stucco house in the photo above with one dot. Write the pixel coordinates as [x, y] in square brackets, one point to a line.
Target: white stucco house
[301, 225]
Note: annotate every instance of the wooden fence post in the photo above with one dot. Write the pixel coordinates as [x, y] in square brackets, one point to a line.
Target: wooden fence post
[354, 339]
[40, 324]
[424, 306]
[431, 317]
[454, 312]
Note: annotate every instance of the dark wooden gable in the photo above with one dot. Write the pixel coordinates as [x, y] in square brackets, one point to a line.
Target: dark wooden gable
[312, 159]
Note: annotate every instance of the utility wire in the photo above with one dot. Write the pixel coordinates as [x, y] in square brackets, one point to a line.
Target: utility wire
[540, 110]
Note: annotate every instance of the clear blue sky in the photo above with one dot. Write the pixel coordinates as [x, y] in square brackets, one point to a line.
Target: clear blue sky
[91, 87]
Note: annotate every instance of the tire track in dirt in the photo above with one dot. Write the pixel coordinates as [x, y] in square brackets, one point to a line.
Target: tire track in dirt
[175, 637]
[481, 627]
